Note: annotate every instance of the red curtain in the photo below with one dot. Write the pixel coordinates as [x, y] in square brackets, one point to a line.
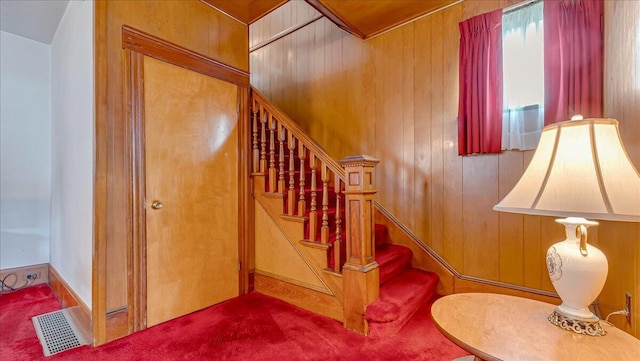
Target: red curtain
[573, 59]
[480, 100]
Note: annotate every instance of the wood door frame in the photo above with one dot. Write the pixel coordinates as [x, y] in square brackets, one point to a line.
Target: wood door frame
[136, 45]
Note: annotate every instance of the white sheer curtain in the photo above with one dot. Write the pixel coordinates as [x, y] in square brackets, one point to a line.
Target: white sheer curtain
[523, 82]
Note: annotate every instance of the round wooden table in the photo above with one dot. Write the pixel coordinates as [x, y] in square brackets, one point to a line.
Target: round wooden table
[500, 327]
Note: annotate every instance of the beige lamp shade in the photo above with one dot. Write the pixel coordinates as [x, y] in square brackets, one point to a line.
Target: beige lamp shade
[579, 169]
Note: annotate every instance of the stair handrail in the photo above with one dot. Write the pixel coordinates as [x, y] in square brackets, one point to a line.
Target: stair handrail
[360, 273]
[299, 133]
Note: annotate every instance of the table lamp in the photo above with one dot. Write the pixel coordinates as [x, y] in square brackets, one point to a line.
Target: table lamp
[579, 170]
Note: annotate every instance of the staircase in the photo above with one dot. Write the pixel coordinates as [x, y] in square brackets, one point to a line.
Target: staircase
[403, 290]
[306, 187]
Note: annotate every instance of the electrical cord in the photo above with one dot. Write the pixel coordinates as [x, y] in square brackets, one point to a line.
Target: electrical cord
[620, 312]
[5, 287]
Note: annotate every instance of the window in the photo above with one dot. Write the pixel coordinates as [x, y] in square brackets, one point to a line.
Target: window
[523, 77]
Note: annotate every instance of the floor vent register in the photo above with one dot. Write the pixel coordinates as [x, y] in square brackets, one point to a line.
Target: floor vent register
[57, 332]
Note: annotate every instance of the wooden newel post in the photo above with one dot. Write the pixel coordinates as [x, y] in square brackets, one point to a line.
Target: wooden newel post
[360, 273]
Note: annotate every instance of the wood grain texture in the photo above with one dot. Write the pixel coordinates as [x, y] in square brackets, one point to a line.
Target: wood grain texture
[293, 229]
[246, 241]
[117, 324]
[499, 327]
[136, 254]
[191, 166]
[154, 47]
[364, 288]
[308, 299]
[284, 20]
[436, 98]
[190, 24]
[367, 18]
[78, 310]
[277, 257]
[99, 277]
[455, 245]
[246, 11]
[423, 256]
[452, 197]
[619, 241]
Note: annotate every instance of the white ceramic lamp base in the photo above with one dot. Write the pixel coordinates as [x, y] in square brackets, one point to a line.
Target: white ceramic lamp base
[578, 272]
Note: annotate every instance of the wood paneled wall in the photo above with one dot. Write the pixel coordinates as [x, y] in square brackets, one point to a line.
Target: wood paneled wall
[189, 23]
[395, 97]
[620, 241]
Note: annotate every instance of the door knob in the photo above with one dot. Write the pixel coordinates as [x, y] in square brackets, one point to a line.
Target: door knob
[156, 205]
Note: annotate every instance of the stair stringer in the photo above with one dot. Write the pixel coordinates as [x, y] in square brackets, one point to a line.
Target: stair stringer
[292, 227]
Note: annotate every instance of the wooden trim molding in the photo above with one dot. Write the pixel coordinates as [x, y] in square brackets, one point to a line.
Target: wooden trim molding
[149, 45]
[410, 20]
[285, 32]
[464, 283]
[136, 254]
[340, 22]
[99, 262]
[302, 297]
[136, 46]
[298, 132]
[42, 270]
[246, 242]
[78, 310]
[293, 281]
[118, 324]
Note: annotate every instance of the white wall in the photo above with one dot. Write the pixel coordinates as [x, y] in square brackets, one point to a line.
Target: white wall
[25, 151]
[72, 139]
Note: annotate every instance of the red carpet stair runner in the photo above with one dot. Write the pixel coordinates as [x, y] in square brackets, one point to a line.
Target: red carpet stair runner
[403, 290]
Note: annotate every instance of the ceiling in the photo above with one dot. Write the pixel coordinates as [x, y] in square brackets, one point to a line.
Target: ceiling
[246, 11]
[34, 19]
[368, 18]
[38, 19]
[362, 18]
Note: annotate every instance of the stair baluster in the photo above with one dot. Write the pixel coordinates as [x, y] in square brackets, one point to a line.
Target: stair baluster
[263, 140]
[272, 153]
[281, 138]
[337, 245]
[302, 204]
[357, 279]
[256, 150]
[324, 230]
[291, 194]
[313, 215]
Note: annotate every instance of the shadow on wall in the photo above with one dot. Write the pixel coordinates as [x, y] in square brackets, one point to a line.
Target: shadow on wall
[24, 232]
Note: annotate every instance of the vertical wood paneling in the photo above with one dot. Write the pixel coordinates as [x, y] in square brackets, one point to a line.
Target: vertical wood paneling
[407, 176]
[481, 242]
[532, 252]
[400, 105]
[422, 128]
[333, 132]
[389, 127]
[454, 242]
[620, 240]
[329, 90]
[437, 143]
[511, 225]
[351, 60]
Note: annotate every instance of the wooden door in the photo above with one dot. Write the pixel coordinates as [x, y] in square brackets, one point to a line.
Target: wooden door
[191, 167]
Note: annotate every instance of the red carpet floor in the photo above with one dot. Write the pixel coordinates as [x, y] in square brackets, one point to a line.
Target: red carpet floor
[250, 327]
